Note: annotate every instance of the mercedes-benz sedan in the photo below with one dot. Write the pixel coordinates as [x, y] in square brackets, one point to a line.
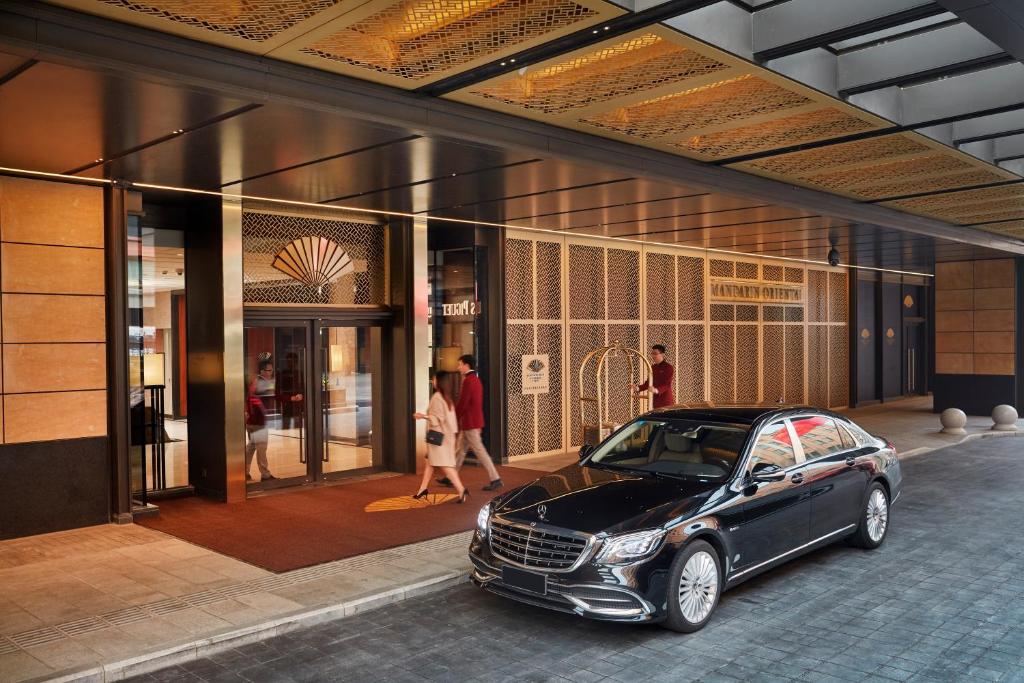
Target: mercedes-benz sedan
[682, 504]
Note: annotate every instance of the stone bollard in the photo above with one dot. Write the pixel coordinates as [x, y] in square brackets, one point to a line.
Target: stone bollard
[1004, 418]
[953, 421]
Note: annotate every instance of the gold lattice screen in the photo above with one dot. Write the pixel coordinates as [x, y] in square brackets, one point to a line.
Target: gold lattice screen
[565, 297]
[296, 259]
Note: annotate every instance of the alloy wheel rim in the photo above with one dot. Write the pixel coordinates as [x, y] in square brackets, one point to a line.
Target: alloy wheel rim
[877, 515]
[698, 587]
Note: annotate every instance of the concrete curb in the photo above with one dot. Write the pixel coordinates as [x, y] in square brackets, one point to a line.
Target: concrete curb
[204, 647]
[914, 452]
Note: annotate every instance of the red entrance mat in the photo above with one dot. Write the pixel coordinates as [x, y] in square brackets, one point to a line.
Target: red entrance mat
[306, 527]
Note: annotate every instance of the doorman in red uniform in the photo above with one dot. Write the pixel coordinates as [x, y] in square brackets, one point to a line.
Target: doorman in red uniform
[663, 373]
[470, 413]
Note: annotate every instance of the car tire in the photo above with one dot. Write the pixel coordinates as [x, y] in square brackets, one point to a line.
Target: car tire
[695, 585]
[874, 519]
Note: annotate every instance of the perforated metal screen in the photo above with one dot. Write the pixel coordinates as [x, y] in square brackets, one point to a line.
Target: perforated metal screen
[306, 244]
[722, 351]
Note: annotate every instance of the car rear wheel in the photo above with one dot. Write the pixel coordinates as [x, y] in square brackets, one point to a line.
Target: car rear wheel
[874, 519]
[694, 588]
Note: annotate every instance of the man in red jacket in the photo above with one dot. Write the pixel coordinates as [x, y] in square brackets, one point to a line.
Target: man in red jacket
[470, 413]
[662, 379]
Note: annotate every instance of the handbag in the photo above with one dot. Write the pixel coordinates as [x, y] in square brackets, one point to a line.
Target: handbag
[434, 437]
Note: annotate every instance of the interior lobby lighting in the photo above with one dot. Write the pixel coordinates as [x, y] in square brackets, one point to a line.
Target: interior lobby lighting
[428, 217]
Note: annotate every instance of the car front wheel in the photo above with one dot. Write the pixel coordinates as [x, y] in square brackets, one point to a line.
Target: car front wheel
[874, 519]
[694, 588]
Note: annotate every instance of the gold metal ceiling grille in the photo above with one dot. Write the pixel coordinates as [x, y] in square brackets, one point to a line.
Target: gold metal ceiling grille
[806, 127]
[660, 88]
[417, 40]
[810, 162]
[639, 63]
[865, 179]
[404, 43]
[729, 101]
[955, 205]
[932, 184]
[256, 20]
[1015, 228]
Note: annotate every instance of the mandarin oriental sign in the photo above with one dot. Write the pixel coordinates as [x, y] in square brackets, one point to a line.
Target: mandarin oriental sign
[755, 292]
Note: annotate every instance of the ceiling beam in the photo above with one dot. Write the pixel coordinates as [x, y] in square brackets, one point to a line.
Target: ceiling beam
[801, 25]
[1001, 21]
[943, 52]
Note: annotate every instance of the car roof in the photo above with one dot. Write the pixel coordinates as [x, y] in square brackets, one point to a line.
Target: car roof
[746, 414]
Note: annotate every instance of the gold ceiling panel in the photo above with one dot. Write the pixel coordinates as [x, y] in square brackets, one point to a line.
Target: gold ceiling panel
[806, 164]
[939, 169]
[932, 184]
[716, 104]
[413, 42]
[635, 64]
[1015, 228]
[251, 25]
[967, 203]
[248, 19]
[1009, 211]
[404, 43]
[660, 88]
[809, 126]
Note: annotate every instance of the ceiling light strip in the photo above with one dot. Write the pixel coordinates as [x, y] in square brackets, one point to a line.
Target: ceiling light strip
[404, 214]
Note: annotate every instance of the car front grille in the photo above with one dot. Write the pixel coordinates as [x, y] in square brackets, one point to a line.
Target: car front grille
[532, 547]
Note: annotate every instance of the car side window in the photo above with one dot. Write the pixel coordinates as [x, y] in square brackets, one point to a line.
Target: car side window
[773, 447]
[818, 435]
[848, 440]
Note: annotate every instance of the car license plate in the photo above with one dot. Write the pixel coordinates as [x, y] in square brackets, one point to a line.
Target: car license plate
[513, 577]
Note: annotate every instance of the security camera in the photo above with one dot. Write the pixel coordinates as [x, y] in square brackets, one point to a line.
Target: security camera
[833, 257]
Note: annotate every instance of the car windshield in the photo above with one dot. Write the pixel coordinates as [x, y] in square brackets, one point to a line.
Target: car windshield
[679, 448]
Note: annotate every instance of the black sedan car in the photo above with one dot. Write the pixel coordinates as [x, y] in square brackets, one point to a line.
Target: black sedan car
[681, 504]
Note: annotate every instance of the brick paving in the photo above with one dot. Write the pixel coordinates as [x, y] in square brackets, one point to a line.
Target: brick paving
[942, 600]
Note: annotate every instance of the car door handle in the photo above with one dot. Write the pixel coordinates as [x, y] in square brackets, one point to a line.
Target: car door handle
[797, 478]
[851, 461]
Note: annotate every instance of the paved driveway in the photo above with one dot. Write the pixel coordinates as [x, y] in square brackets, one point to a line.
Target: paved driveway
[942, 600]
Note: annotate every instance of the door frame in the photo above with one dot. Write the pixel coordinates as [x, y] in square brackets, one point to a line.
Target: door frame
[316, 401]
[314, 319]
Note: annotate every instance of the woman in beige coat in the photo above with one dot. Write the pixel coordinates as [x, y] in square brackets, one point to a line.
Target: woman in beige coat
[440, 416]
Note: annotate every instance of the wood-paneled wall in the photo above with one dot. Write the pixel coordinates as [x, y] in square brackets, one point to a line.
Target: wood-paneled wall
[975, 307]
[53, 359]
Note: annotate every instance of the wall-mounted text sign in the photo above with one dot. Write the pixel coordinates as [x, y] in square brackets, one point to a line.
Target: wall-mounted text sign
[535, 374]
[461, 308]
[755, 292]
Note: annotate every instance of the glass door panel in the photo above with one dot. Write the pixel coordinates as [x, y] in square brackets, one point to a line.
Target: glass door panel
[275, 421]
[348, 359]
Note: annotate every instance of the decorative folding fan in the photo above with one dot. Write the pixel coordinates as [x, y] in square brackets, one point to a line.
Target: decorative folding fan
[313, 261]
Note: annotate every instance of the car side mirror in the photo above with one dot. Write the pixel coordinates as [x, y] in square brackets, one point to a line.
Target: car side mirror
[767, 472]
[585, 450]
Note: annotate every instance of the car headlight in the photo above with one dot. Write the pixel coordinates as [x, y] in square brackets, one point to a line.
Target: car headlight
[483, 520]
[627, 548]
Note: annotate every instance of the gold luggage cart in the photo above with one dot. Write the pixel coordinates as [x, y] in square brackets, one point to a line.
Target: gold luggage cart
[598, 425]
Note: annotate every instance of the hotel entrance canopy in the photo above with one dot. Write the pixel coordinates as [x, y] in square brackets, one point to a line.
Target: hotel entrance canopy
[771, 128]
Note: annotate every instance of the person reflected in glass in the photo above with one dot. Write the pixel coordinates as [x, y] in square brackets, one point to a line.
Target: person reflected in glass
[258, 401]
[291, 385]
[661, 384]
[440, 417]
